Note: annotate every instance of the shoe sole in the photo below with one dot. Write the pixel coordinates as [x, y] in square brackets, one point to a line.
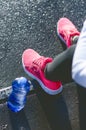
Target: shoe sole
[47, 90]
[61, 39]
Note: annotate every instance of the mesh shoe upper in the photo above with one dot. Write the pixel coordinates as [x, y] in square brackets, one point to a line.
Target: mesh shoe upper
[34, 65]
[66, 30]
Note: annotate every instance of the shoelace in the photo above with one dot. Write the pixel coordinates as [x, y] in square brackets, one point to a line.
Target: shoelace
[39, 61]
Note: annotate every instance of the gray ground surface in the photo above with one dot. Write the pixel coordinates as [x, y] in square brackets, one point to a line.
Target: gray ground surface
[32, 24]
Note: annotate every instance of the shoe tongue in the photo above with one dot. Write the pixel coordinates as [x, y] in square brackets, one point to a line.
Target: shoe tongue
[45, 61]
[42, 61]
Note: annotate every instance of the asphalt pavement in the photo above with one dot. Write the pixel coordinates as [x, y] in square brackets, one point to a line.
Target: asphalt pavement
[32, 24]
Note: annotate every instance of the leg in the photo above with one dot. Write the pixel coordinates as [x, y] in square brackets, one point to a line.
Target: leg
[36, 65]
[60, 67]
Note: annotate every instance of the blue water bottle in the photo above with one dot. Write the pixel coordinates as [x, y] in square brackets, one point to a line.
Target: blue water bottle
[17, 98]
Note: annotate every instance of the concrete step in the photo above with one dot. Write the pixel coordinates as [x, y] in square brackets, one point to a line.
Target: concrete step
[65, 111]
[32, 117]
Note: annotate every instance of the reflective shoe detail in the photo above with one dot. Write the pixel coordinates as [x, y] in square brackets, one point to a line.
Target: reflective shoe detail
[34, 65]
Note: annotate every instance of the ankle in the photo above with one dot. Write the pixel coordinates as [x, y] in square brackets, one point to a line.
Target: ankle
[74, 39]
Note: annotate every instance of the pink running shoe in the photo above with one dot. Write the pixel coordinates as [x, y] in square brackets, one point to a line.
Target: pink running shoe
[34, 65]
[66, 30]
